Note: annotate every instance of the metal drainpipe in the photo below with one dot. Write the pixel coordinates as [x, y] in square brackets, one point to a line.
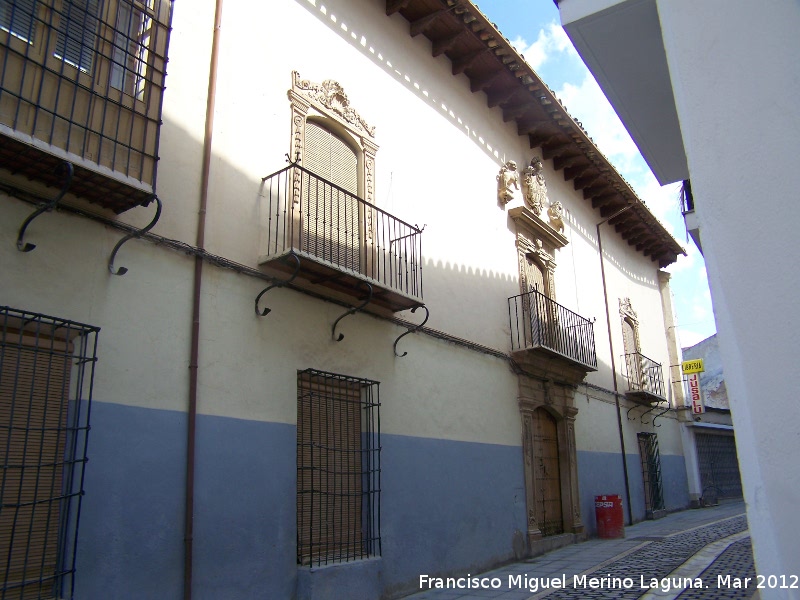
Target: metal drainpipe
[198, 282]
[613, 364]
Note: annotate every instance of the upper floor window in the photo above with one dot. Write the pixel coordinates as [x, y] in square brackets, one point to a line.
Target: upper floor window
[17, 19]
[77, 33]
[131, 49]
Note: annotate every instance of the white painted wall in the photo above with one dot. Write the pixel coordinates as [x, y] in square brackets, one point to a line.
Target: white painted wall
[734, 76]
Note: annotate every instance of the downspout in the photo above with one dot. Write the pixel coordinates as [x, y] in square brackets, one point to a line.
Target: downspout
[198, 283]
[613, 364]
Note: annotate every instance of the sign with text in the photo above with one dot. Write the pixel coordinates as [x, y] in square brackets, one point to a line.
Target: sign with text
[692, 366]
[695, 395]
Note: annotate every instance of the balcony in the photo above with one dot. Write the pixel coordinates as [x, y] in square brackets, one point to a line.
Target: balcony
[645, 379]
[82, 82]
[329, 241]
[542, 325]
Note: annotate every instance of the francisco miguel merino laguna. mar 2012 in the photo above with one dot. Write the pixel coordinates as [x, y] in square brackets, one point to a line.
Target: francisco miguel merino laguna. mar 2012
[534, 584]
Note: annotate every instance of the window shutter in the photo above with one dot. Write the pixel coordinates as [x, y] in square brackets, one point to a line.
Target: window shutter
[77, 33]
[17, 17]
[34, 384]
[331, 222]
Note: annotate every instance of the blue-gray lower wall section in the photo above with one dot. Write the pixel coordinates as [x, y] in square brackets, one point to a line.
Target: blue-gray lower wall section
[445, 507]
[602, 473]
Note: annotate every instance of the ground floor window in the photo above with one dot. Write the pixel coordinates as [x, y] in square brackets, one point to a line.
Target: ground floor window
[338, 468]
[46, 373]
[651, 473]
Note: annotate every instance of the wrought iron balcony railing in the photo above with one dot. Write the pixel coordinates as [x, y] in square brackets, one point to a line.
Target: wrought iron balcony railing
[540, 322]
[645, 376]
[341, 240]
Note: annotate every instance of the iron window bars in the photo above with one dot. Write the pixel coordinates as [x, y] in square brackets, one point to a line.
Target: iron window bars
[644, 375]
[312, 217]
[651, 472]
[537, 321]
[46, 376]
[86, 77]
[338, 468]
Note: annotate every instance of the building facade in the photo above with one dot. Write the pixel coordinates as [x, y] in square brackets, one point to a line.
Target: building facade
[345, 298]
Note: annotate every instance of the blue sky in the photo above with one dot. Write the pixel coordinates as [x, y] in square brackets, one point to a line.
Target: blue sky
[534, 28]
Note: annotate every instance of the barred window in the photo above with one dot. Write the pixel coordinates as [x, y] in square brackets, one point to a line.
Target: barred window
[131, 50]
[338, 468]
[18, 19]
[77, 33]
[46, 373]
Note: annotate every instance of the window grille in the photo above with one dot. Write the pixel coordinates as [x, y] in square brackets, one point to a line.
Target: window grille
[338, 468]
[46, 375]
[651, 472]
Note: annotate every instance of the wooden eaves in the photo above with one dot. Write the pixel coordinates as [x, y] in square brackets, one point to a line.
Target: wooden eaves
[475, 47]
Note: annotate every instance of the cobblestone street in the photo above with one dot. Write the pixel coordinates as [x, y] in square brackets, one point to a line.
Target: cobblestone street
[702, 554]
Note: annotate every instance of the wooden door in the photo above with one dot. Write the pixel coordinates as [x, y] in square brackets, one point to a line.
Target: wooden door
[547, 473]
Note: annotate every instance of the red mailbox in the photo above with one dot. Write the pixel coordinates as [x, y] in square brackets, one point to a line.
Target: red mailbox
[608, 511]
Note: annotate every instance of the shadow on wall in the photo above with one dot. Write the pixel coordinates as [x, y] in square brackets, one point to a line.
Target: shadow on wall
[348, 22]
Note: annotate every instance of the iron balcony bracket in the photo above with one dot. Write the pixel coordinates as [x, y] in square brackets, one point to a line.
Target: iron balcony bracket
[135, 234]
[70, 171]
[266, 311]
[412, 329]
[659, 414]
[649, 410]
[352, 311]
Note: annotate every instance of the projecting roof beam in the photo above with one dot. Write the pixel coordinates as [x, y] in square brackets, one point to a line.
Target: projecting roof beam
[531, 126]
[463, 63]
[513, 111]
[551, 150]
[421, 25]
[501, 97]
[571, 173]
[482, 83]
[602, 187]
[562, 162]
[540, 139]
[443, 45]
[585, 181]
[393, 6]
[620, 220]
[605, 199]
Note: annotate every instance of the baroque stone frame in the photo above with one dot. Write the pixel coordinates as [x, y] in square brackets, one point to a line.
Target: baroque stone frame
[626, 313]
[558, 401]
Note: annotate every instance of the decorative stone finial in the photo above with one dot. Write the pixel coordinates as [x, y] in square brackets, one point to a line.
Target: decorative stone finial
[506, 180]
[556, 214]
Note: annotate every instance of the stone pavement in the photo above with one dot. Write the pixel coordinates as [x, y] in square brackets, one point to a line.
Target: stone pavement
[701, 554]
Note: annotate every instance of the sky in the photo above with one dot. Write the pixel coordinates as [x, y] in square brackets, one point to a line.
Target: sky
[534, 29]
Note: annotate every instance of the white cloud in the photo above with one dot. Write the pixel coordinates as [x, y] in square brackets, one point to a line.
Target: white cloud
[689, 337]
[586, 103]
[552, 40]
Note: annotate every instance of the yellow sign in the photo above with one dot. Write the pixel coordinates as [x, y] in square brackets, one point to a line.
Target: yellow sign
[692, 366]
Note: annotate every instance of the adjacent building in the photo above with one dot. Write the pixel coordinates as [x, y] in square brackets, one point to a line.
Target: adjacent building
[710, 446]
[302, 297]
[674, 71]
